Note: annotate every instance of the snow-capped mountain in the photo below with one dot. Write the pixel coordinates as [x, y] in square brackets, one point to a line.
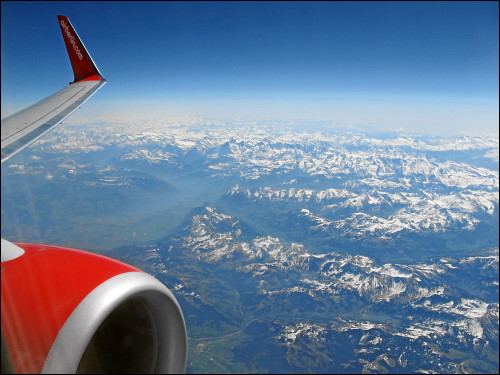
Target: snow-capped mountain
[290, 248]
[385, 314]
[381, 213]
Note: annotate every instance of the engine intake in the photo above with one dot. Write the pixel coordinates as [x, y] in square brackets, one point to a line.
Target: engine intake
[91, 315]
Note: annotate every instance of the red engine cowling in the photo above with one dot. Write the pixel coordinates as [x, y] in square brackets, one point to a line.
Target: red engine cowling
[70, 311]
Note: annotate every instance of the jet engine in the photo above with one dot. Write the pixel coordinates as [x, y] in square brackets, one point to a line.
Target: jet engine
[70, 311]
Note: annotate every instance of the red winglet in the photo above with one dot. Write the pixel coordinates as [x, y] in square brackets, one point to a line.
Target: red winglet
[84, 67]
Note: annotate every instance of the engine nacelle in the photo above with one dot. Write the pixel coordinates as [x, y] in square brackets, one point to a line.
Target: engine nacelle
[70, 311]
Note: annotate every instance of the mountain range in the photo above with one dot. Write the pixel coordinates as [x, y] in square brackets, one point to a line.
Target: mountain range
[291, 248]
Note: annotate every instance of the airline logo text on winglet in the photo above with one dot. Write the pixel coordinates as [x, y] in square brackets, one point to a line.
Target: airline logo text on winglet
[71, 39]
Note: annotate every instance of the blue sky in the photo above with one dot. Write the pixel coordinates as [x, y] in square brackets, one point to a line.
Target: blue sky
[428, 67]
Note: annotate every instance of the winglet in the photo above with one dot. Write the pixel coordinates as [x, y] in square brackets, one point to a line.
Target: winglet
[84, 67]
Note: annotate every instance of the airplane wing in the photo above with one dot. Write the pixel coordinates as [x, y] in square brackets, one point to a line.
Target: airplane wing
[23, 128]
[65, 310]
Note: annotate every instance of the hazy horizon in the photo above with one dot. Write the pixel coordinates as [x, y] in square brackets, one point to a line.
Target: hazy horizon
[428, 68]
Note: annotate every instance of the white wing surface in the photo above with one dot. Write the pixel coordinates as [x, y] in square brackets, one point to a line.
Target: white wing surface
[23, 128]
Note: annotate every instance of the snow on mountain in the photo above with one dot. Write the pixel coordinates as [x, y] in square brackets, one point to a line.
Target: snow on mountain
[292, 194]
[420, 212]
[381, 347]
[290, 333]
[389, 184]
[337, 186]
[267, 148]
[215, 237]
[492, 154]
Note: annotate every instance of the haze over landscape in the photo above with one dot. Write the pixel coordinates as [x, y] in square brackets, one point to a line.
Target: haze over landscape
[316, 183]
[427, 68]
